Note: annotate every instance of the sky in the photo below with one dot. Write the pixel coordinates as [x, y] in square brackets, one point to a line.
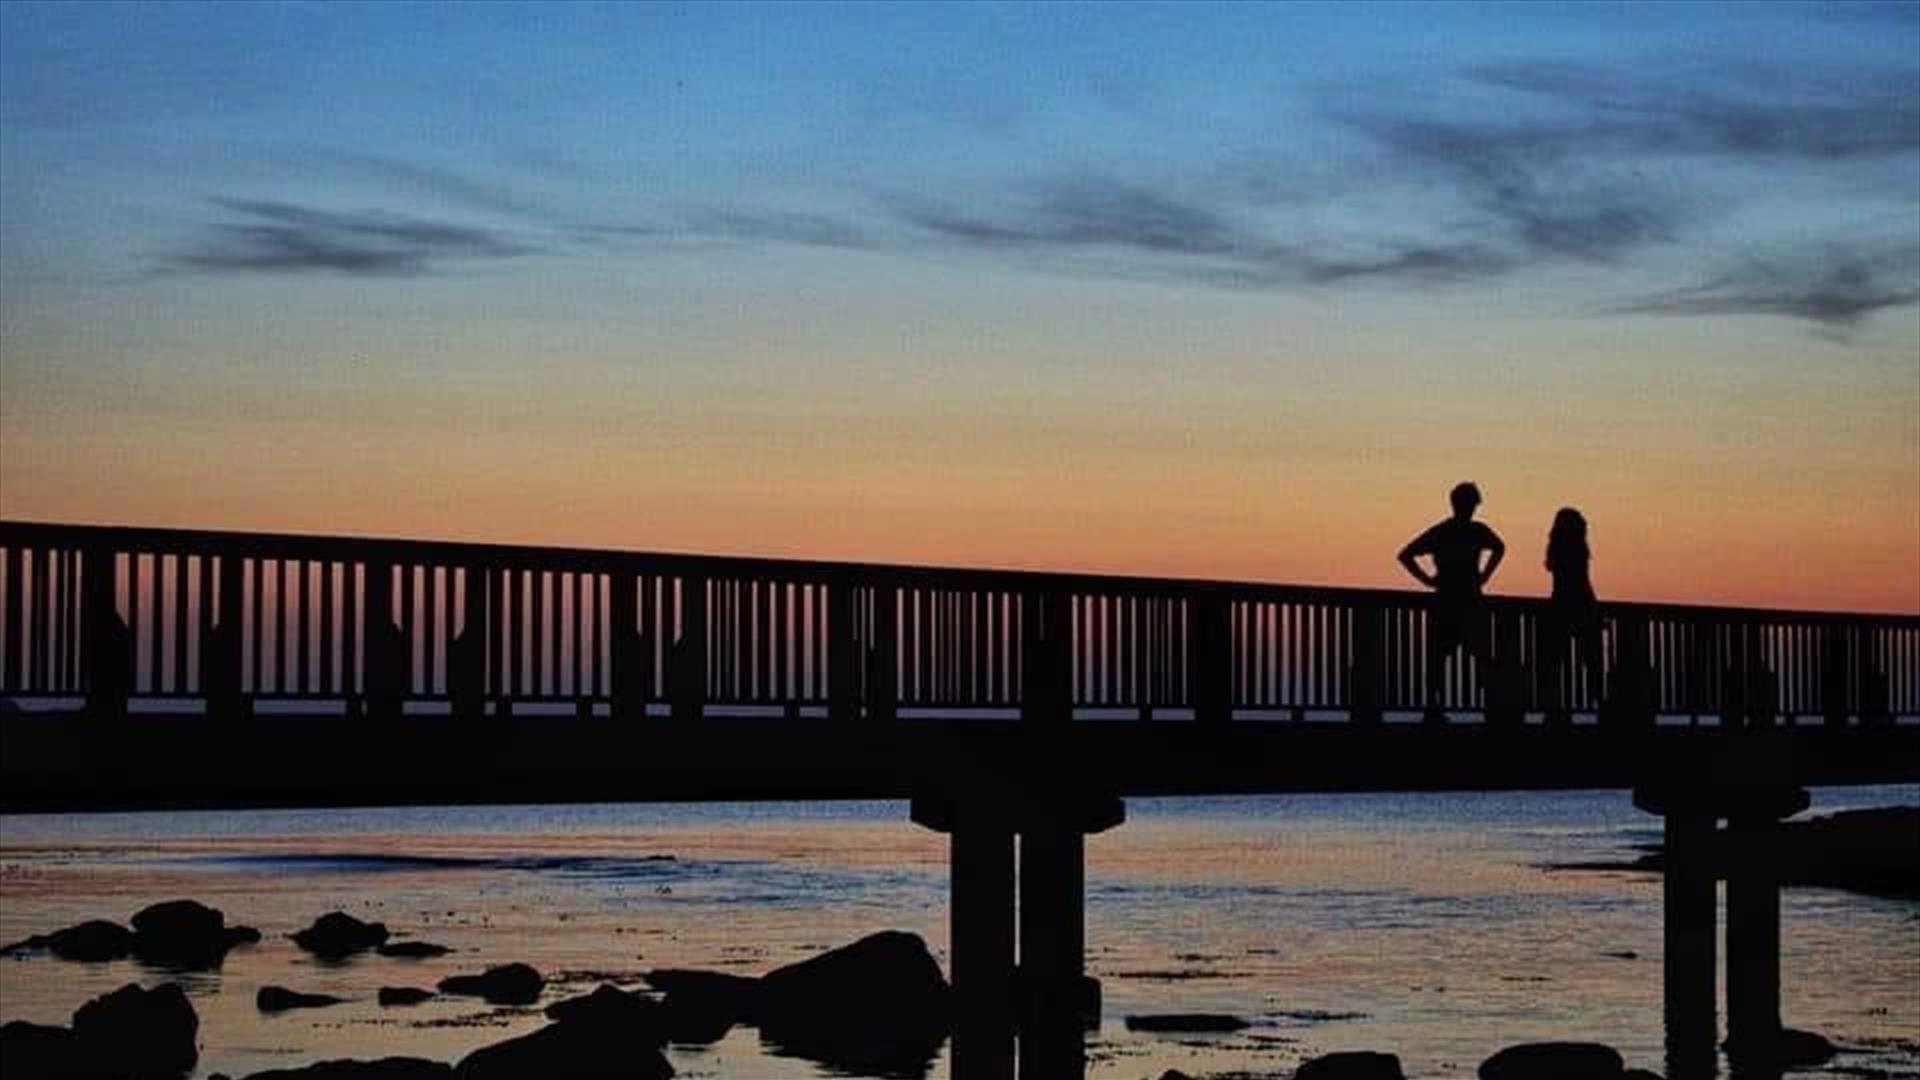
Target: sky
[1176, 290]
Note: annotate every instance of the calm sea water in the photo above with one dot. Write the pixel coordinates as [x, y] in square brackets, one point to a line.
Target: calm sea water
[1426, 925]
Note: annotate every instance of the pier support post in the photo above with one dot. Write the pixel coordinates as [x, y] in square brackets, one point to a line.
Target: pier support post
[1753, 922]
[1057, 999]
[980, 824]
[1052, 950]
[1689, 898]
[1047, 999]
[983, 941]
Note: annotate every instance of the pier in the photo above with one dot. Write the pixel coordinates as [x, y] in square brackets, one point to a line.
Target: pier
[1016, 711]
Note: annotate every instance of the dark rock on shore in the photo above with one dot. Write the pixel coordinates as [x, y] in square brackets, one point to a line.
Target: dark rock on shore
[140, 1032]
[1351, 1065]
[92, 941]
[701, 1006]
[337, 935]
[186, 934]
[280, 999]
[879, 1004]
[1561, 1060]
[1186, 1022]
[412, 950]
[403, 995]
[1866, 851]
[177, 933]
[609, 1006]
[1791, 1048]
[575, 1050]
[508, 984]
[36, 1050]
[392, 1068]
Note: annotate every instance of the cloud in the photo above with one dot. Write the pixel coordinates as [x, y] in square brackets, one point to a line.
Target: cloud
[1530, 194]
[1738, 110]
[278, 237]
[1836, 290]
[1081, 214]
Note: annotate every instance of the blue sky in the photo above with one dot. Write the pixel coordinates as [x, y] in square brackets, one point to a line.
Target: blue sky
[1071, 244]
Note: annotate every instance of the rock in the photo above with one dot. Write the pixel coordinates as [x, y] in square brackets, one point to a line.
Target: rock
[412, 950]
[336, 935]
[93, 941]
[140, 1031]
[403, 995]
[508, 984]
[879, 1004]
[1351, 1065]
[1640, 1074]
[392, 1068]
[1187, 1022]
[186, 934]
[1174, 1074]
[613, 1008]
[567, 1051]
[1796, 1048]
[1560, 1060]
[701, 1006]
[38, 1050]
[280, 999]
[1791, 1048]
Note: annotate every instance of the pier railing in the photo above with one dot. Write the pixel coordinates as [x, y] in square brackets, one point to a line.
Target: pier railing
[110, 620]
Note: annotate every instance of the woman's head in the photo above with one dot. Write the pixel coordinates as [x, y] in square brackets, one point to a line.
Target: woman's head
[1568, 524]
[1567, 540]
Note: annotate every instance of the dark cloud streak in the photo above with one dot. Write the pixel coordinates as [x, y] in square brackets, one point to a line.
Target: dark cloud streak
[283, 237]
[1837, 291]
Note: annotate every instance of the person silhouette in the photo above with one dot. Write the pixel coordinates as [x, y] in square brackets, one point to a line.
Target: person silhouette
[1573, 613]
[1457, 617]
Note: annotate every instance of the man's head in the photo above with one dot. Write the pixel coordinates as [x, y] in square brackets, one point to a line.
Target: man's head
[1465, 497]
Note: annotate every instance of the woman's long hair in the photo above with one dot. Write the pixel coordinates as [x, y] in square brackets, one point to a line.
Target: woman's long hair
[1567, 540]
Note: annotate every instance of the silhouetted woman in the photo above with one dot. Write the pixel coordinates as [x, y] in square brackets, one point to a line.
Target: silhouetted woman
[1572, 613]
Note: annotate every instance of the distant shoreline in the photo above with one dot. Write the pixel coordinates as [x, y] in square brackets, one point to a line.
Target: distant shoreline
[1874, 852]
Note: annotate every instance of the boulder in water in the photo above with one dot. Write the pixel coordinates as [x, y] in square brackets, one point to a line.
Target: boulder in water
[403, 995]
[412, 950]
[42, 1050]
[879, 1004]
[1560, 1060]
[336, 935]
[392, 1068]
[615, 1009]
[1184, 1022]
[1788, 1049]
[508, 984]
[1351, 1065]
[186, 934]
[701, 1006]
[280, 999]
[140, 1031]
[574, 1051]
[93, 941]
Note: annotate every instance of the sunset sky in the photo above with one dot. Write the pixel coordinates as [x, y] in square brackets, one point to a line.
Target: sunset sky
[1235, 292]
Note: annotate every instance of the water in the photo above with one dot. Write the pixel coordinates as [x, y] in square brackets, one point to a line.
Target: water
[1421, 924]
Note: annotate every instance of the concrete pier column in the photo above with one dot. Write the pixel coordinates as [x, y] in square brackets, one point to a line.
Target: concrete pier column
[983, 942]
[1752, 852]
[981, 929]
[1753, 937]
[1052, 950]
[1690, 917]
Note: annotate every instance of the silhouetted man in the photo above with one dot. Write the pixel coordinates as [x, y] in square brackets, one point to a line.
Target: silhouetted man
[1457, 619]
